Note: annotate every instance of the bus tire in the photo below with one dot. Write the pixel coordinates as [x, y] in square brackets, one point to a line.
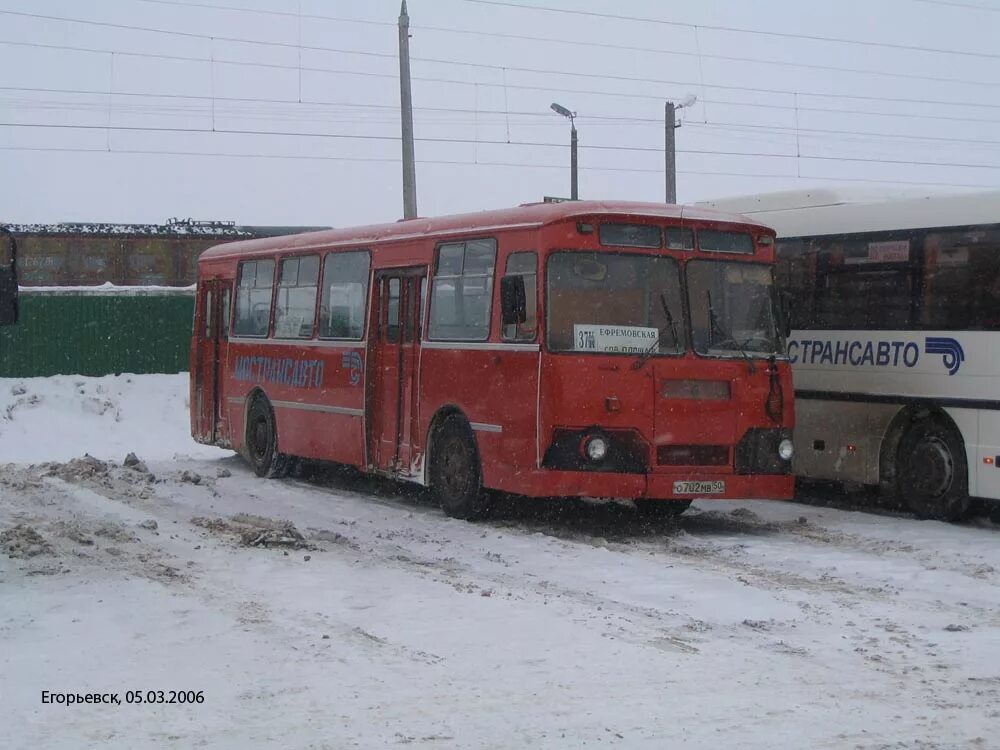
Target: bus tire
[262, 441]
[455, 474]
[661, 508]
[932, 474]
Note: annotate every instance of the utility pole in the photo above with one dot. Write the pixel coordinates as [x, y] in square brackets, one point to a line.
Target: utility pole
[669, 152]
[670, 124]
[406, 117]
[574, 193]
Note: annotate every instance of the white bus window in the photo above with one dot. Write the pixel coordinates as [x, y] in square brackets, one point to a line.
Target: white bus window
[961, 283]
[849, 283]
[865, 298]
[795, 273]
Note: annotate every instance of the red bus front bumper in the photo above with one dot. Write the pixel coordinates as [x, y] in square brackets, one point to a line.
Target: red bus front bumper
[553, 483]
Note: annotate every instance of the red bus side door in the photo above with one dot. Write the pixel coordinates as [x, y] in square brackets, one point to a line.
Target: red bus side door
[213, 334]
[394, 350]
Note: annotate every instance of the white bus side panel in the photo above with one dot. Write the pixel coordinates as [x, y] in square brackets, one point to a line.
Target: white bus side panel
[840, 440]
[988, 474]
[852, 383]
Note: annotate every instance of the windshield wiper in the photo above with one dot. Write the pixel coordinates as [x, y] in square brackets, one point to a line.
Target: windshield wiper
[715, 325]
[672, 327]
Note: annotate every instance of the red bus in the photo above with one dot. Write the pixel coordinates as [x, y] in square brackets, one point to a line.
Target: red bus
[629, 350]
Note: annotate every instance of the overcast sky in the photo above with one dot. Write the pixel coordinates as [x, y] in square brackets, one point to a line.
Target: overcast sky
[287, 112]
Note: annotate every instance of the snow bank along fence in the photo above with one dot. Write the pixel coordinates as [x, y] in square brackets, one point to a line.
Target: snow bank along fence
[98, 331]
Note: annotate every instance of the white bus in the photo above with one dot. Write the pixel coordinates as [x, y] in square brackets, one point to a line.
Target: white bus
[895, 343]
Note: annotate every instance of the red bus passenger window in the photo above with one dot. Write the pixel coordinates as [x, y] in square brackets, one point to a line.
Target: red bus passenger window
[462, 291]
[391, 328]
[345, 292]
[253, 298]
[295, 306]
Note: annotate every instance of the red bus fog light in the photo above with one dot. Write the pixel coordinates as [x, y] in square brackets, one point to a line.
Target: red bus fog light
[595, 448]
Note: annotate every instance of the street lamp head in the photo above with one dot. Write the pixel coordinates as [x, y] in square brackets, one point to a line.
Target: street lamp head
[688, 101]
[559, 109]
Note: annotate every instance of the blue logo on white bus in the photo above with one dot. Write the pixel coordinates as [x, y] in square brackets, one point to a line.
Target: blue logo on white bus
[886, 353]
[952, 353]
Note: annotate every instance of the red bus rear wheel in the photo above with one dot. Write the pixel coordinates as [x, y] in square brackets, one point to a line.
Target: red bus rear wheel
[455, 476]
[262, 441]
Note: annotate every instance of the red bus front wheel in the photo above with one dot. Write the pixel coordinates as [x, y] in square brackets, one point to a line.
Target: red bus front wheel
[262, 441]
[455, 476]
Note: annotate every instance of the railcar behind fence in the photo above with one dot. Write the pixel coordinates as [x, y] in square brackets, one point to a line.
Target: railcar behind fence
[627, 351]
[8, 278]
[87, 254]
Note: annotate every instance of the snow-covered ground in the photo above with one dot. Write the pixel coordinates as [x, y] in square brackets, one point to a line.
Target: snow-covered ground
[741, 625]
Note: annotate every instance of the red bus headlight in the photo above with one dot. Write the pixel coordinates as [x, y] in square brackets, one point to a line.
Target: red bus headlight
[595, 448]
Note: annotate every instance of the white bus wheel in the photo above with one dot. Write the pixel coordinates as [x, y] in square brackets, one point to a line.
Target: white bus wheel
[932, 475]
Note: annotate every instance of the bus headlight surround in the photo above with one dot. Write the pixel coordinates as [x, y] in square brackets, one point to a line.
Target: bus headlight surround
[595, 448]
[786, 449]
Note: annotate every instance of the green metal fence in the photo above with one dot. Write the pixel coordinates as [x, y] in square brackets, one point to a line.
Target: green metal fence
[98, 332]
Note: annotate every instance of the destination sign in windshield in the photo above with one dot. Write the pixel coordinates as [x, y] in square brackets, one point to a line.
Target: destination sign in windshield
[614, 339]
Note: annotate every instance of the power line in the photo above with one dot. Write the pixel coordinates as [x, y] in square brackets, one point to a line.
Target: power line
[754, 89]
[865, 71]
[971, 6]
[366, 137]
[561, 167]
[718, 125]
[525, 87]
[481, 142]
[736, 30]
[789, 130]
[259, 11]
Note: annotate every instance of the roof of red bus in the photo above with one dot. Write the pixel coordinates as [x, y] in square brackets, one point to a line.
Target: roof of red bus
[529, 214]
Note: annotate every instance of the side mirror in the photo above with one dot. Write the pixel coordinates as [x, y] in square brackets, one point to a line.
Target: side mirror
[513, 300]
[8, 278]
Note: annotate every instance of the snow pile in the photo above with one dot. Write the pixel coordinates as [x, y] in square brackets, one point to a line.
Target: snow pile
[67, 416]
[331, 611]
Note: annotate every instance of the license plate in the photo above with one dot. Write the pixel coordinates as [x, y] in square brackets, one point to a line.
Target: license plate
[716, 487]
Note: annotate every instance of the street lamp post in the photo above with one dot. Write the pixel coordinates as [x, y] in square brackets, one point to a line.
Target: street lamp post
[559, 109]
[669, 146]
